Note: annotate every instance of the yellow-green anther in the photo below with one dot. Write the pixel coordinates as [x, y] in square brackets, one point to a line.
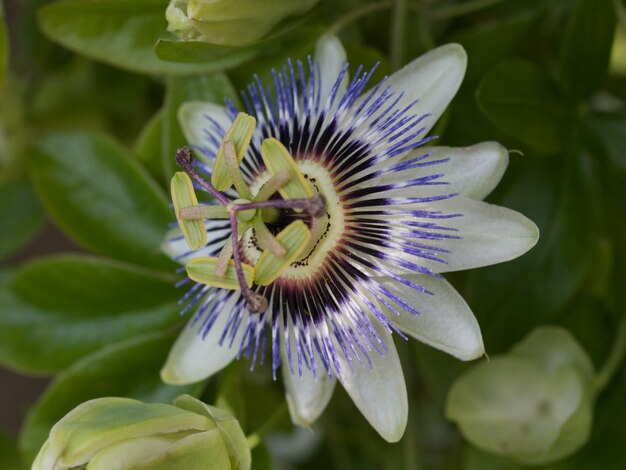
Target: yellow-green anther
[232, 165]
[245, 215]
[223, 258]
[203, 212]
[277, 158]
[183, 196]
[240, 134]
[294, 239]
[202, 270]
[272, 185]
[266, 239]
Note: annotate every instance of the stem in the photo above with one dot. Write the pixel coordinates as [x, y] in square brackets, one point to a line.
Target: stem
[398, 33]
[314, 205]
[358, 13]
[254, 439]
[256, 303]
[615, 358]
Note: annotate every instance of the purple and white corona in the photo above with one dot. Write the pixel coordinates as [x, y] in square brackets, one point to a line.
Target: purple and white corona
[396, 215]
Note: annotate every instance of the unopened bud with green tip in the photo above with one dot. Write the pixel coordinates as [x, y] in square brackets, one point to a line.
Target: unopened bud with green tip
[123, 434]
[534, 404]
[230, 22]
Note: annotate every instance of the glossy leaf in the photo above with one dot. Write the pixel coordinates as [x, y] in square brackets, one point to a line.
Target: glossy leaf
[119, 32]
[214, 88]
[22, 215]
[518, 98]
[55, 310]
[129, 369]
[147, 147]
[101, 197]
[587, 46]
[294, 240]
[220, 57]
[203, 270]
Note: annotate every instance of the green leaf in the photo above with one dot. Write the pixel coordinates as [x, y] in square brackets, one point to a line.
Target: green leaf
[220, 57]
[213, 88]
[147, 147]
[129, 369]
[22, 215]
[121, 33]
[518, 98]
[587, 46]
[4, 48]
[486, 44]
[101, 197]
[9, 455]
[610, 128]
[512, 297]
[55, 310]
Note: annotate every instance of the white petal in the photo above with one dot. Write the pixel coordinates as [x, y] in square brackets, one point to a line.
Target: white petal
[177, 248]
[474, 171]
[470, 171]
[331, 56]
[433, 78]
[490, 234]
[306, 397]
[445, 320]
[380, 392]
[192, 117]
[194, 358]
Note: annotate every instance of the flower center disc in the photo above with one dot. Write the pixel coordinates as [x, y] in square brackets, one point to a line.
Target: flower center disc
[326, 231]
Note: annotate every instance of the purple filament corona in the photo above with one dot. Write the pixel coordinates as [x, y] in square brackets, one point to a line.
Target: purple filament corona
[357, 138]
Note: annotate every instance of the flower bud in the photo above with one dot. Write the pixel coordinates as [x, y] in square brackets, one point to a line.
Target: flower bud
[534, 404]
[121, 433]
[230, 22]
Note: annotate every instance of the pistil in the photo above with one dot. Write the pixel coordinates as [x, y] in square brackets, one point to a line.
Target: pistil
[314, 206]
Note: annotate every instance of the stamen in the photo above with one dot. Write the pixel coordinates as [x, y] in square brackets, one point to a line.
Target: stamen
[272, 185]
[266, 239]
[203, 212]
[315, 205]
[232, 165]
[222, 260]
